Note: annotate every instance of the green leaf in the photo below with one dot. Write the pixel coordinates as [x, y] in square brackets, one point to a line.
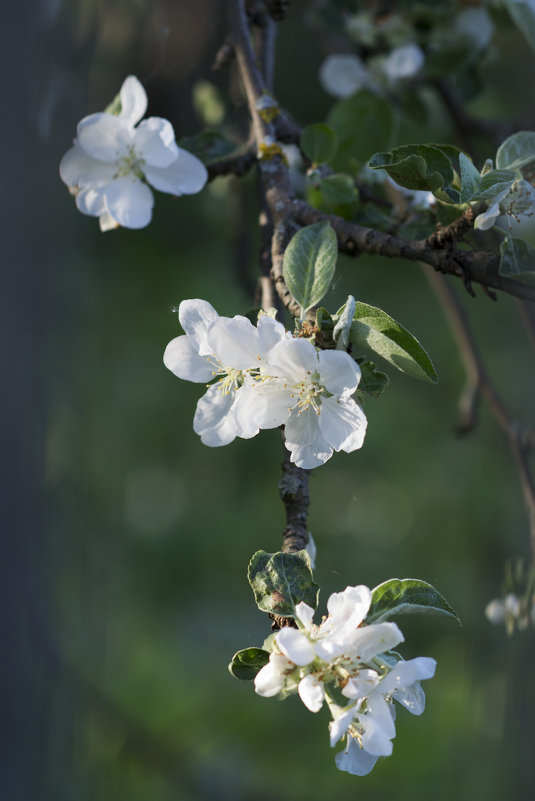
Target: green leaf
[517, 259]
[524, 18]
[424, 167]
[281, 580]
[318, 142]
[309, 263]
[517, 150]
[470, 178]
[375, 330]
[324, 321]
[407, 596]
[246, 663]
[338, 189]
[372, 381]
[362, 123]
[494, 182]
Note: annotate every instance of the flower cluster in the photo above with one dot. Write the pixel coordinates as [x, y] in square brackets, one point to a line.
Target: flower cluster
[513, 611]
[114, 158]
[262, 377]
[343, 658]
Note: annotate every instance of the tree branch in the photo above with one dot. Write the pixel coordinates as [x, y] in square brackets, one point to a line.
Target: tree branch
[521, 438]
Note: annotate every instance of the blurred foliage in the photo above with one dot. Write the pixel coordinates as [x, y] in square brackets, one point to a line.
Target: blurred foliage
[148, 533]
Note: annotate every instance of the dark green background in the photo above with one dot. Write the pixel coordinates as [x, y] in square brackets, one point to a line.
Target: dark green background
[127, 541]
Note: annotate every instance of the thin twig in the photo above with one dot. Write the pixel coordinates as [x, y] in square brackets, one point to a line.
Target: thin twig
[520, 438]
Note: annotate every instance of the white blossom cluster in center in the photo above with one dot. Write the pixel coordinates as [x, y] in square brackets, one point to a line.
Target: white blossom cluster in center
[343, 659]
[262, 377]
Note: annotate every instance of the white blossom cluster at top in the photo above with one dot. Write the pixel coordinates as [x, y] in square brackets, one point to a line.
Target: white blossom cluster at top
[114, 159]
[262, 377]
[343, 659]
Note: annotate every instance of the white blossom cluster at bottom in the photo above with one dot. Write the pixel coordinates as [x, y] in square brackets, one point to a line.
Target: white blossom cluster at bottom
[351, 667]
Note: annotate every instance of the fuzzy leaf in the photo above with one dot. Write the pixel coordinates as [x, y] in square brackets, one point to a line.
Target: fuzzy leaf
[523, 16]
[493, 183]
[517, 260]
[246, 663]
[362, 123]
[517, 150]
[281, 580]
[309, 263]
[372, 381]
[424, 167]
[407, 596]
[470, 178]
[318, 142]
[373, 329]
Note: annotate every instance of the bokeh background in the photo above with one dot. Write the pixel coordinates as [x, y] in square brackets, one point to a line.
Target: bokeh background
[126, 541]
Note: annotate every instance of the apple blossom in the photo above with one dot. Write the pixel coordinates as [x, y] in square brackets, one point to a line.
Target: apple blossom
[220, 348]
[114, 159]
[310, 393]
[343, 651]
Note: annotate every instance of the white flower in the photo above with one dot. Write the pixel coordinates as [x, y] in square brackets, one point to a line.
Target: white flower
[341, 75]
[368, 721]
[403, 62]
[222, 348]
[114, 158]
[476, 24]
[308, 392]
[339, 637]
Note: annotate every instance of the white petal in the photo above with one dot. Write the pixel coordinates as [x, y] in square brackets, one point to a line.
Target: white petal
[186, 175]
[291, 359]
[362, 685]
[304, 614]
[91, 201]
[264, 404]
[154, 140]
[78, 169]
[342, 423]
[182, 358]
[295, 646]
[196, 316]
[353, 603]
[407, 672]
[381, 711]
[355, 759]
[270, 332]
[341, 75]
[269, 681]
[212, 420]
[133, 101]
[495, 610]
[107, 223]
[412, 698]
[307, 445]
[129, 201]
[343, 718]
[311, 692]
[103, 136]
[340, 374]
[234, 342]
[368, 641]
[374, 740]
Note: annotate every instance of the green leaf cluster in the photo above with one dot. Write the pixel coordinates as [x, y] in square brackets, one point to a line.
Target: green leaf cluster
[280, 581]
[433, 168]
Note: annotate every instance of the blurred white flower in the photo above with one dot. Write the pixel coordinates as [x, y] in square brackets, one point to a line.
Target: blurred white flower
[477, 25]
[114, 158]
[403, 62]
[341, 75]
